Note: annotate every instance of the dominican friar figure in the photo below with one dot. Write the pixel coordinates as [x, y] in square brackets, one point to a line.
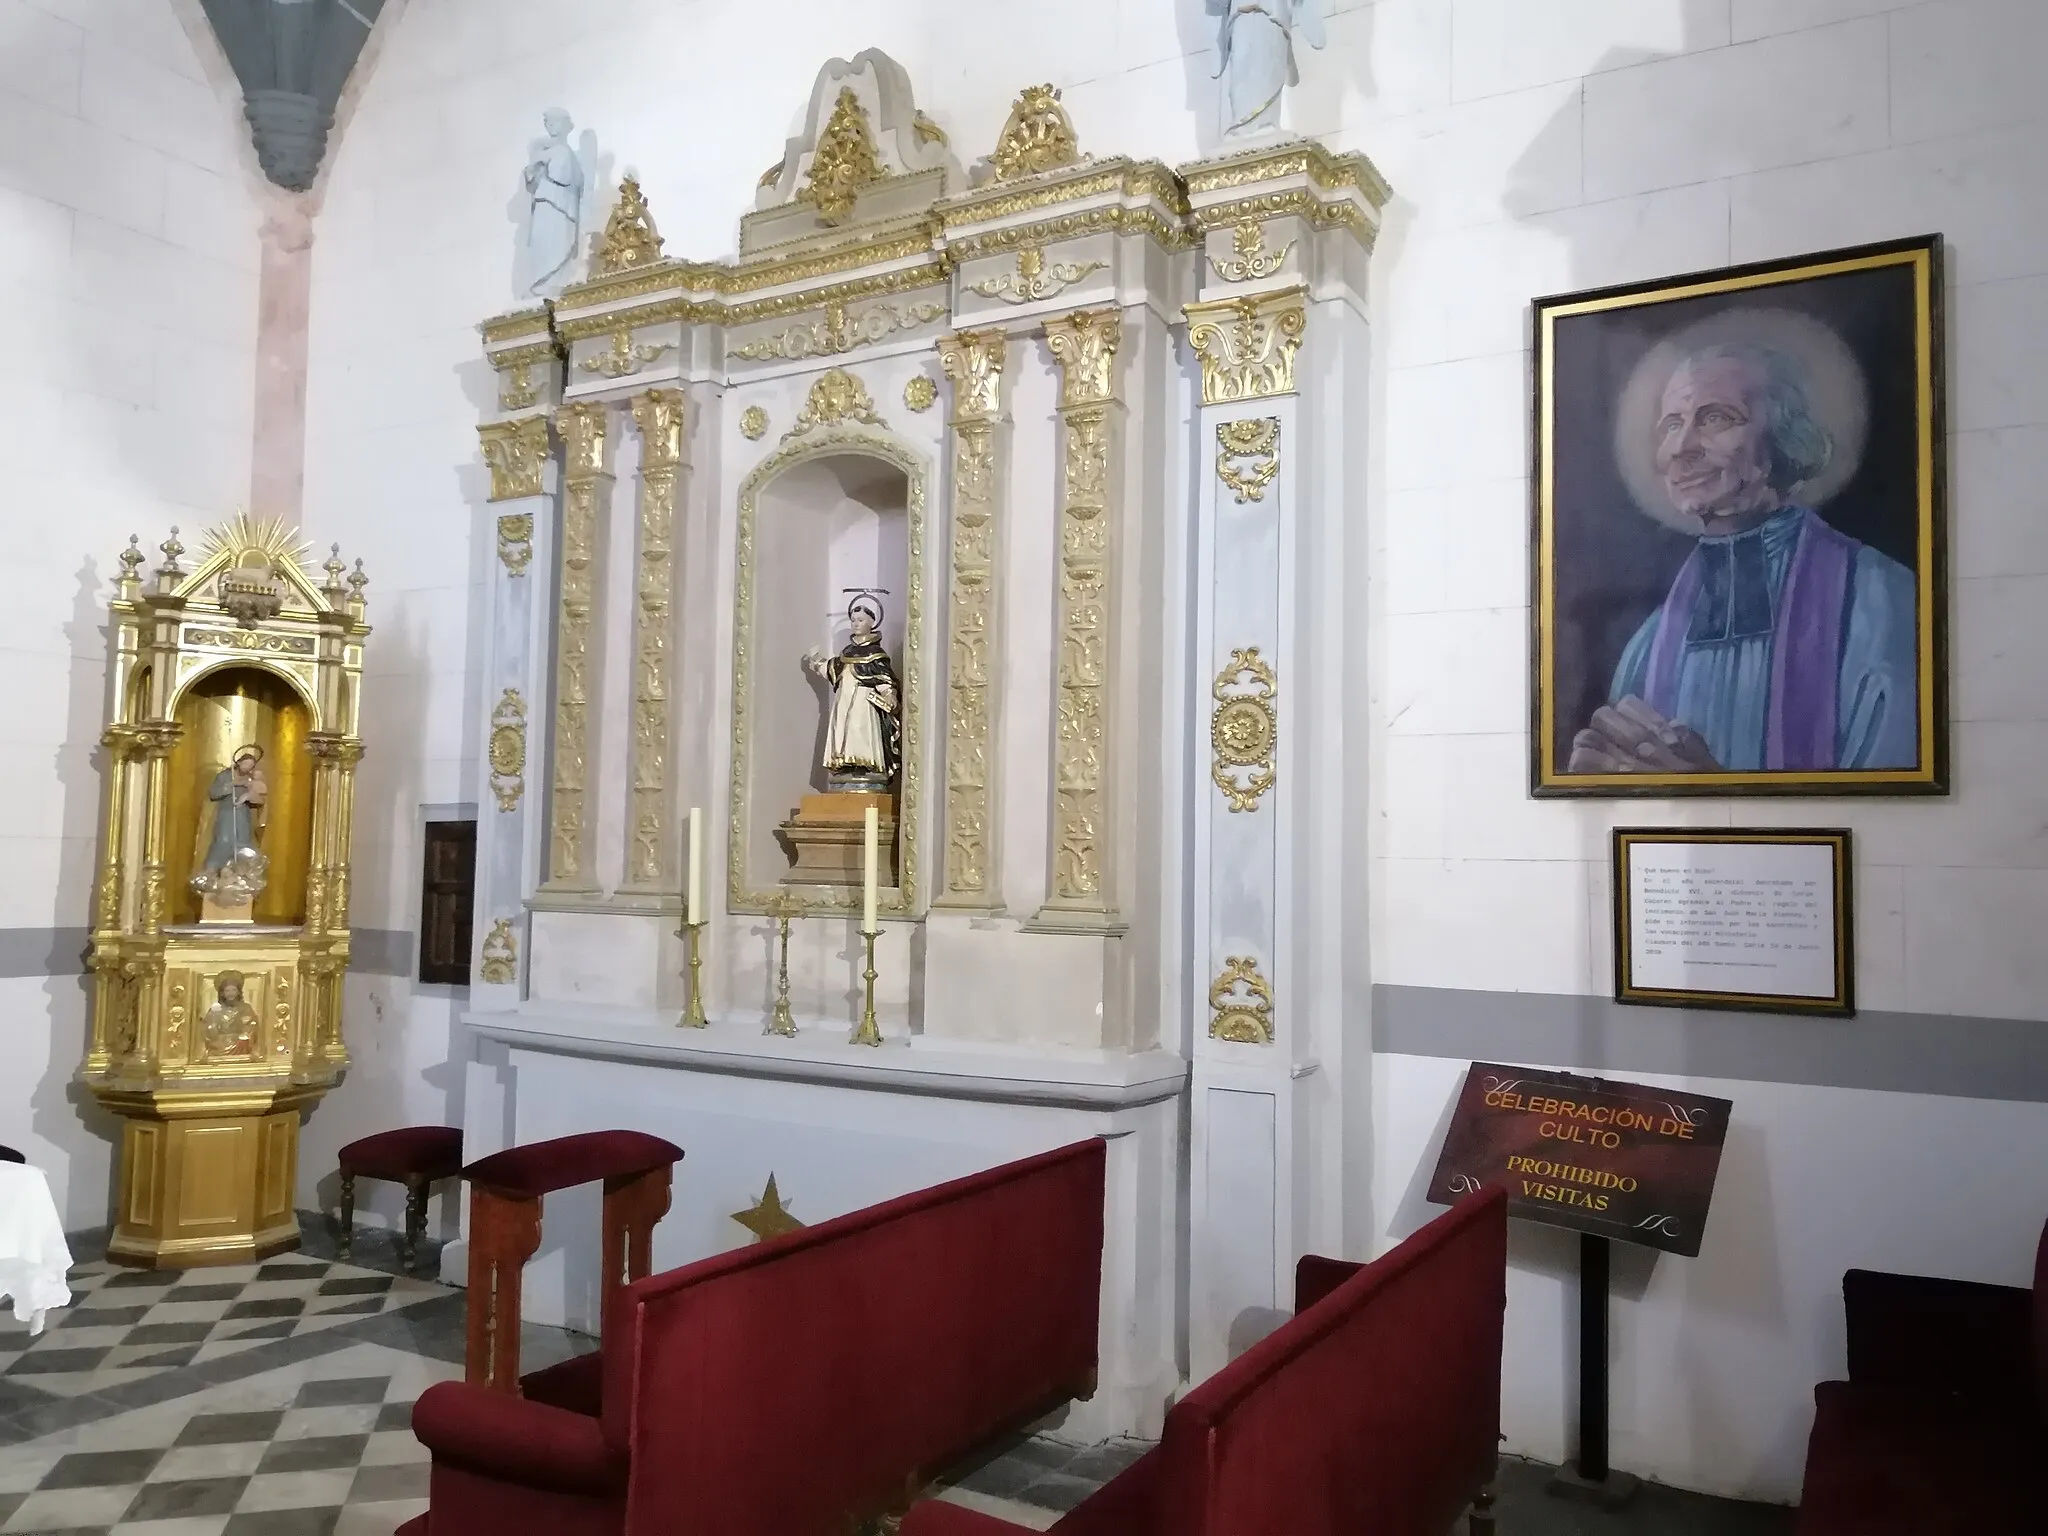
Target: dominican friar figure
[1255, 57]
[554, 185]
[863, 735]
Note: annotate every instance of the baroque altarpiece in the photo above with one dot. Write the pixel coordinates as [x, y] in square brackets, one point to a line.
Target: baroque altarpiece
[220, 925]
[1080, 431]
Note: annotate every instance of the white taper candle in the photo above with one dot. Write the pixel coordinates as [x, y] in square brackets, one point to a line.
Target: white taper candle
[695, 912]
[870, 836]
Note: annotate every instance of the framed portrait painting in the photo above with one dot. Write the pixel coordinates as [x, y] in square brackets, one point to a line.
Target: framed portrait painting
[1739, 545]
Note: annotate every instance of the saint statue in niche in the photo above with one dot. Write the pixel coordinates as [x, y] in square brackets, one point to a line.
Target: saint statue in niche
[554, 187]
[1255, 57]
[232, 868]
[864, 733]
[228, 1028]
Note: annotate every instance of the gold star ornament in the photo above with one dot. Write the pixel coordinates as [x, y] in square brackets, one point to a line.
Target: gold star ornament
[768, 1217]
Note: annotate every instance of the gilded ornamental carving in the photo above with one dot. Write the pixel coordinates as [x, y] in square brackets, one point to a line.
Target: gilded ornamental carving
[515, 542]
[1247, 345]
[1241, 1003]
[1034, 280]
[1038, 136]
[516, 452]
[839, 331]
[630, 239]
[508, 750]
[1244, 729]
[837, 398]
[1248, 456]
[845, 160]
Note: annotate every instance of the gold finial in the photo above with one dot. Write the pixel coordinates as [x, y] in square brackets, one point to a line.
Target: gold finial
[334, 568]
[630, 238]
[172, 549]
[357, 582]
[1039, 136]
[845, 160]
[131, 557]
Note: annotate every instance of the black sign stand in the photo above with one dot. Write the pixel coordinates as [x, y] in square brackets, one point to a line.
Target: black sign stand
[1590, 1478]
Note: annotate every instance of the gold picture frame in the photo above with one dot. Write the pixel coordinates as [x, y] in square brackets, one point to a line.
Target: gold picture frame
[1739, 551]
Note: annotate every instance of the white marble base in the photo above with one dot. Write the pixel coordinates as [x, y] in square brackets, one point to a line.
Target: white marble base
[840, 1127]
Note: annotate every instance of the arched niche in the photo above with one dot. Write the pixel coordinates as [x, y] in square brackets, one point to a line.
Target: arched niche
[218, 711]
[840, 510]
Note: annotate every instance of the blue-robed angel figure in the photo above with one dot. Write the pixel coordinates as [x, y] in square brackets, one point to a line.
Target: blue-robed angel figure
[232, 867]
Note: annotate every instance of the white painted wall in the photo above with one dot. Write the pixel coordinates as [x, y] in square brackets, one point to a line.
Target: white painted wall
[128, 258]
[1535, 146]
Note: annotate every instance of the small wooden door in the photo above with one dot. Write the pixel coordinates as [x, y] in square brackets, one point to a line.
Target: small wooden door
[447, 899]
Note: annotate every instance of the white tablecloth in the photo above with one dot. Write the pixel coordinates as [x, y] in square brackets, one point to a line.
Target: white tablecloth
[34, 1258]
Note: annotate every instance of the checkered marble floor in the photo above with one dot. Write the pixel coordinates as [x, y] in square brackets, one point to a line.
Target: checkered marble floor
[126, 1324]
[319, 1448]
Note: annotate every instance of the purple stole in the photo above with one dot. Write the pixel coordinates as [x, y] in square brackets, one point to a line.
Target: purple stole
[1806, 648]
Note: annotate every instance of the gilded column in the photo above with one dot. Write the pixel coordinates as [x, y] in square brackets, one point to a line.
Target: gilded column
[586, 498]
[651, 846]
[1084, 344]
[973, 360]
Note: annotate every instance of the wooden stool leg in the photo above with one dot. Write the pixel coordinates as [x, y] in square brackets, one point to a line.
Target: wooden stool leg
[348, 1213]
[415, 1220]
[632, 1208]
[503, 1233]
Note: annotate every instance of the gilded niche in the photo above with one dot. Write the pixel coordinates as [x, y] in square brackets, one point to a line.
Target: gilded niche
[845, 160]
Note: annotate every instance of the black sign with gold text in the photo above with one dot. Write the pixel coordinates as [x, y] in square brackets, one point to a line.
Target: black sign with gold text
[1619, 1160]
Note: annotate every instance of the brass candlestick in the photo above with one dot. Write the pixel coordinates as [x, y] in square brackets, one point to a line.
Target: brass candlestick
[693, 1015]
[869, 1032]
[781, 1021]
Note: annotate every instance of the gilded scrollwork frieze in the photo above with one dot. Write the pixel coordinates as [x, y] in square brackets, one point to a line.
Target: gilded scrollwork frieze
[1247, 345]
[1248, 456]
[624, 357]
[1033, 279]
[1241, 1003]
[515, 542]
[252, 640]
[1250, 261]
[508, 750]
[517, 453]
[839, 331]
[658, 414]
[1244, 729]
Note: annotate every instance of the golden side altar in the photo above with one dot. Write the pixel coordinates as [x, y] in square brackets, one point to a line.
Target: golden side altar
[220, 921]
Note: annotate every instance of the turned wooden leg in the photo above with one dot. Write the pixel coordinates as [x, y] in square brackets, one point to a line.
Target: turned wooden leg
[415, 1220]
[1480, 1521]
[348, 1213]
[503, 1233]
[632, 1208]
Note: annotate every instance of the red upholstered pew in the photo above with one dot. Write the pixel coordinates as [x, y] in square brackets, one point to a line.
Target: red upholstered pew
[780, 1389]
[1374, 1412]
[1942, 1425]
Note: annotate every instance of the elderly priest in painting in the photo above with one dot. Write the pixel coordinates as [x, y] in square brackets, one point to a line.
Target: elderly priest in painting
[1783, 644]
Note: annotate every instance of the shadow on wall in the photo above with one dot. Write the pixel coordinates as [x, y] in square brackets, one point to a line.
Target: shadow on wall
[61, 1111]
[380, 1011]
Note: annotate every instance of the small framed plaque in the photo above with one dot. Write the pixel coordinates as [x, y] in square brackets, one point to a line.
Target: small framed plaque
[1733, 918]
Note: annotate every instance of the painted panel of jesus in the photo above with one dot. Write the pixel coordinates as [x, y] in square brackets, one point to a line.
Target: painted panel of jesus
[1739, 532]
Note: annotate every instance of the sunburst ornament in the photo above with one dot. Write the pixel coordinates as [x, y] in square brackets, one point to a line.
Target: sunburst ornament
[768, 1217]
[257, 543]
